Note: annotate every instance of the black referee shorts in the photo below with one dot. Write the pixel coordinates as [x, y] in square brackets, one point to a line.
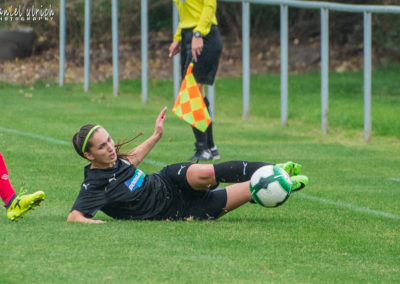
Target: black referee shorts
[199, 204]
[206, 67]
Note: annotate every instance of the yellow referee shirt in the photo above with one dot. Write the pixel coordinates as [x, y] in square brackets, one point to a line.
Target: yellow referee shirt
[197, 14]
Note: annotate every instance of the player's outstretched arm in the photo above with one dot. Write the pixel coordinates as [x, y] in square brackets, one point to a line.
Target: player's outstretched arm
[77, 216]
[137, 154]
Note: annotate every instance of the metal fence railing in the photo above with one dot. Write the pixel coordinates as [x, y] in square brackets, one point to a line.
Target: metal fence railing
[324, 8]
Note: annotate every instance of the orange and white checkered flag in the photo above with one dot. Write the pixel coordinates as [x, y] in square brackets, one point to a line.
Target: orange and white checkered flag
[189, 104]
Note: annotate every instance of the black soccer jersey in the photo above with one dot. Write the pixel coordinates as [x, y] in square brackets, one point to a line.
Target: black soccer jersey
[124, 192]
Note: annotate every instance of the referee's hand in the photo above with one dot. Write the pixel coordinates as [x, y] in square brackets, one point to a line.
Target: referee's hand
[174, 48]
[197, 47]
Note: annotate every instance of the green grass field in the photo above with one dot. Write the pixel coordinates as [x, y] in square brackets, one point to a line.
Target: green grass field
[344, 227]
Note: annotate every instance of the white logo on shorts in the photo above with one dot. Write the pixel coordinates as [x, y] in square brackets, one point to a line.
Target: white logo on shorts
[5, 177]
[244, 168]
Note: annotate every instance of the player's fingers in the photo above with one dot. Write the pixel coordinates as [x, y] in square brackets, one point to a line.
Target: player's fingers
[162, 113]
[161, 116]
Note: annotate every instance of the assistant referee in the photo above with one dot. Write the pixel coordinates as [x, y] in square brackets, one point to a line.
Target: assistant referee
[197, 38]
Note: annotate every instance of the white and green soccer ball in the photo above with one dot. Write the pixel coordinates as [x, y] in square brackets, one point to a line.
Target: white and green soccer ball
[270, 186]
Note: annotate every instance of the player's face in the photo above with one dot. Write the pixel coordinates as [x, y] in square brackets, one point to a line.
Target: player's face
[102, 153]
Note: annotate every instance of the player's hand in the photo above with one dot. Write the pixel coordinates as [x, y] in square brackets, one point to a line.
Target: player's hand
[197, 47]
[159, 129]
[174, 48]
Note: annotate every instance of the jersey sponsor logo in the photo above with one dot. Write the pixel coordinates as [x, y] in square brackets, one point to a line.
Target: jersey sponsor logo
[136, 180]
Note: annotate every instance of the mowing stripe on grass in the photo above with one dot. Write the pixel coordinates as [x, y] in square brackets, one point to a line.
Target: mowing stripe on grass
[394, 179]
[44, 138]
[158, 163]
[348, 206]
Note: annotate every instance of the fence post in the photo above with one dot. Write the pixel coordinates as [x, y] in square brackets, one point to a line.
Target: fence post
[324, 69]
[144, 40]
[115, 47]
[246, 57]
[177, 58]
[87, 46]
[61, 74]
[367, 76]
[211, 99]
[284, 65]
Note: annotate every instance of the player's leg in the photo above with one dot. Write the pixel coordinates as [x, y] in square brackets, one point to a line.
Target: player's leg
[201, 176]
[298, 182]
[205, 176]
[6, 190]
[23, 203]
[237, 195]
[293, 169]
[217, 202]
[16, 206]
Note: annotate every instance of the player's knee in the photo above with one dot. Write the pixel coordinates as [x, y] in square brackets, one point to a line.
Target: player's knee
[206, 172]
[200, 175]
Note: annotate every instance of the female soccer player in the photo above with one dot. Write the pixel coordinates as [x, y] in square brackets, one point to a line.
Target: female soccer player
[114, 185]
[16, 205]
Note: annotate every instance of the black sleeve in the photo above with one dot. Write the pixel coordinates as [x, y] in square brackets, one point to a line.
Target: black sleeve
[89, 202]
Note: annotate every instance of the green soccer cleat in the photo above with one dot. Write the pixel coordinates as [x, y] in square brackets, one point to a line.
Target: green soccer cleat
[298, 182]
[293, 169]
[21, 204]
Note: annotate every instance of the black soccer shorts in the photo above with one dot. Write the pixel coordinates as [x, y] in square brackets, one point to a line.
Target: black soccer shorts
[197, 204]
[206, 67]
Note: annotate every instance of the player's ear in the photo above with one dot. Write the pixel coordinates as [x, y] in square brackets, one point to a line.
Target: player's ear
[88, 156]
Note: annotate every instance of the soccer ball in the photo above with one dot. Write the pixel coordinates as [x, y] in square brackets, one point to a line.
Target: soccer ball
[270, 186]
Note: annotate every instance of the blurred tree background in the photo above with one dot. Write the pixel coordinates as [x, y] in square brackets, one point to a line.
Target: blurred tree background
[345, 29]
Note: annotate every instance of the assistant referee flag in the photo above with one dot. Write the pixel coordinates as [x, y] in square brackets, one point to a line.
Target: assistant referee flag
[189, 104]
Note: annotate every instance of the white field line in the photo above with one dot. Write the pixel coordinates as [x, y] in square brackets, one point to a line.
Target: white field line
[349, 206]
[40, 137]
[158, 163]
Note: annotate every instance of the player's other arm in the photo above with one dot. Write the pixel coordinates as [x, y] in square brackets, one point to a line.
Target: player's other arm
[137, 154]
[77, 216]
